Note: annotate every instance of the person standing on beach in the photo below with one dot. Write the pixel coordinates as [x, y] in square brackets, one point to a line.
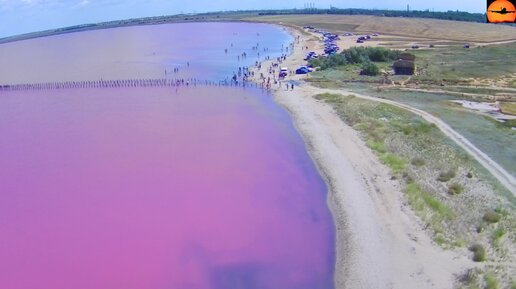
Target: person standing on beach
[292, 86]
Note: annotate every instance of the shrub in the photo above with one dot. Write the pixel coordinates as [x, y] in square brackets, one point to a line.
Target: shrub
[370, 69]
[497, 235]
[439, 239]
[446, 176]
[469, 175]
[479, 253]
[491, 282]
[418, 162]
[356, 55]
[407, 130]
[407, 177]
[454, 189]
[468, 277]
[491, 217]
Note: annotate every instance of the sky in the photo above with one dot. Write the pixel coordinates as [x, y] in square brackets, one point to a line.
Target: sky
[23, 16]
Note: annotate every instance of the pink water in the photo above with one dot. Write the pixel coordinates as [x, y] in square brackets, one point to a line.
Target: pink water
[207, 187]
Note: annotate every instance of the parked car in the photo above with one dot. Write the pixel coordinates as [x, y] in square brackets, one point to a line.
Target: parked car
[283, 72]
[302, 70]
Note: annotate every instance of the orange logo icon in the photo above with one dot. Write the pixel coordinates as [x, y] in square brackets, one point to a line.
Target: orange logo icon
[500, 11]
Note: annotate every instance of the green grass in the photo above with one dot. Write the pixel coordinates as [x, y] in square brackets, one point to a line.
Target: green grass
[490, 136]
[510, 123]
[416, 152]
[437, 206]
[379, 123]
[455, 63]
[497, 235]
[491, 282]
[339, 76]
[414, 195]
[330, 97]
[420, 200]
[395, 163]
[376, 146]
[440, 240]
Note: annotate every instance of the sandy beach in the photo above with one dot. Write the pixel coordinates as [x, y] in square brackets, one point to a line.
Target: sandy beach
[380, 242]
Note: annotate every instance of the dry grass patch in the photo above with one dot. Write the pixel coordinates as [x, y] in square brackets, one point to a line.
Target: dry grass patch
[412, 27]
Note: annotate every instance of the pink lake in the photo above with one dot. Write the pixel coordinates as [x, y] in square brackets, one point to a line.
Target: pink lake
[149, 188]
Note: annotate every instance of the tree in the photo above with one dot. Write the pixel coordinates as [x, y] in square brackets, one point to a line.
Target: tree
[370, 69]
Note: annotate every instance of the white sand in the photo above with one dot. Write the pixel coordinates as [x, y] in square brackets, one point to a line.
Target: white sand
[380, 242]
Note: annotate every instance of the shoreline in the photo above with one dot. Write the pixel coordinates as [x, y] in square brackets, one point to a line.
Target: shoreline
[380, 242]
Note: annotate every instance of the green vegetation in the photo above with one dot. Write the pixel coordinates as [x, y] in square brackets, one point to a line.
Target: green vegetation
[510, 123]
[454, 189]
[445, 176]
[394, 162]
[383, 125]
[491, 282]
[489, 135]
[497, 235]
[370, 69]
[358, 55]
[418, 162]
[437, 206]
[479, 252]
[468, 279]
[455, 64]
[491, 217]
[508, 107]
[376, 146]
[443, 186]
